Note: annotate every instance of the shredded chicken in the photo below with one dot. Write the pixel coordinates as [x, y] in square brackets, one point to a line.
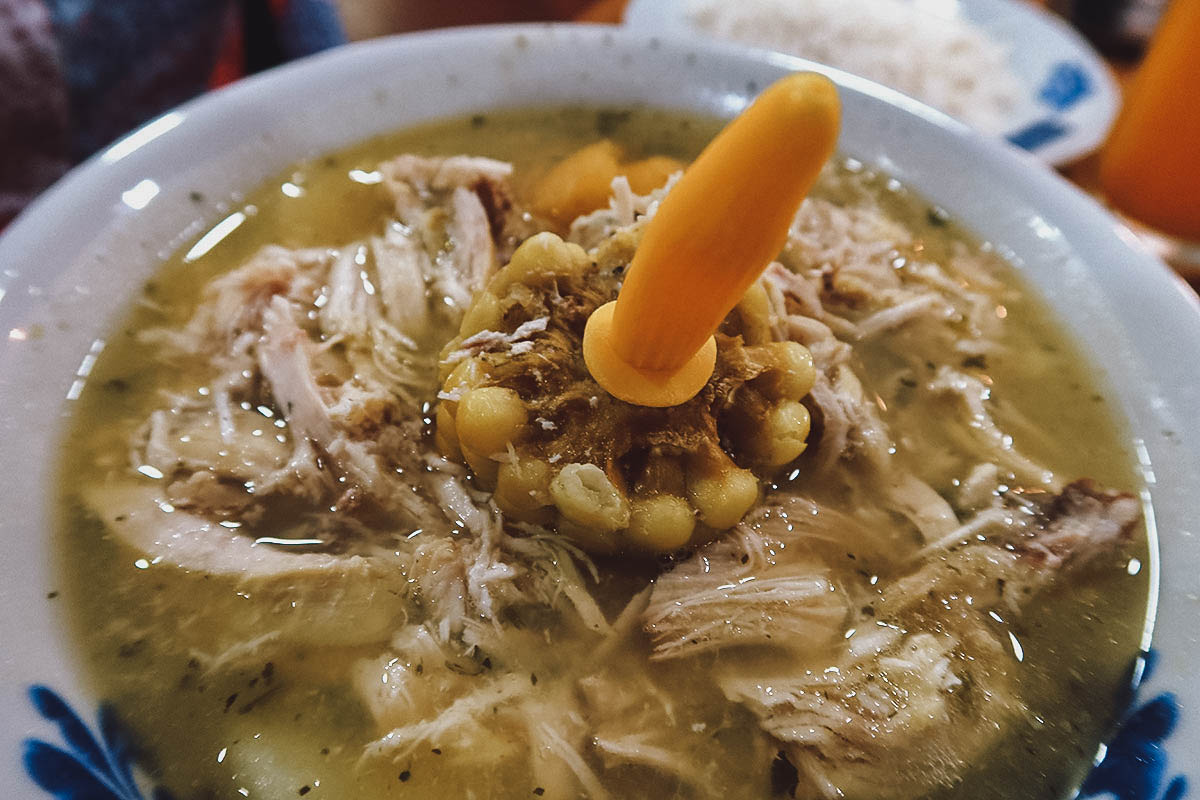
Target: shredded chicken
[302, 595]
[858, 622]
[972, 395]
[921, 674]
[745, 590]
[331, 404]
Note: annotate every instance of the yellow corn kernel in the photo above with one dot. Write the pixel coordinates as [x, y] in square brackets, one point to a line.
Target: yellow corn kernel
[650, 173]
[465, 374]
[584, 495]
[523, 485]
[785, 433]
[755, 313]
[541, 257]
[662, 523]
[485, 313]
[445, 437]
[617, 250]
[796, 371]
[482, 464]
[580, 183]
[722, 496]
[551, 255]
[488, 418]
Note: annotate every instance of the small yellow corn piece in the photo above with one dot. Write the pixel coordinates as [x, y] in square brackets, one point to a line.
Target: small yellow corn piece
[754, 311]
[722, 496]
[482, 464]
[661, 524]
[617, 250]
[797, 373]
[463, 375]
[580, 183]
[445, 437]
[488, 418]
[584, 495]
[790, 371]
[485, 313]
[523, 485]
[785, 433]
[541, 257]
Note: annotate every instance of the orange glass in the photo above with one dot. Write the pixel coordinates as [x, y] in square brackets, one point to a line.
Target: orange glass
[1150, 167]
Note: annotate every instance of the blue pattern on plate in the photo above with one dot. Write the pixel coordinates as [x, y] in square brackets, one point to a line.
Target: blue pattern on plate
[1067, 84]
[1135, 763]
[1036, 134]
[89, 768]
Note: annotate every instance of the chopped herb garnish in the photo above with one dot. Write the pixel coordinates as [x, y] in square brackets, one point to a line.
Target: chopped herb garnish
[975, 362]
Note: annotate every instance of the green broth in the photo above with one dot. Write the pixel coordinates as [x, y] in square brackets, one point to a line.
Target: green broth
[208, 734]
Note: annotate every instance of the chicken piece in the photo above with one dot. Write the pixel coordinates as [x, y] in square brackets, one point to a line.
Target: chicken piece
[745, 589]
[919, 687]
[415, 679]
[903, 718]
[465, 201]
[318, 360]
[279, 593]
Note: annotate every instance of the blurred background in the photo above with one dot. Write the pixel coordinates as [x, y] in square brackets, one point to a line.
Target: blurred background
[77, 74]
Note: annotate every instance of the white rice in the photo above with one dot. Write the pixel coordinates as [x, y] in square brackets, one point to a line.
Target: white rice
[944, 61]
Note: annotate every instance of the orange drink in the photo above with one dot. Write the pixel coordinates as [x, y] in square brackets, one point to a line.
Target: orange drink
[1150, 167]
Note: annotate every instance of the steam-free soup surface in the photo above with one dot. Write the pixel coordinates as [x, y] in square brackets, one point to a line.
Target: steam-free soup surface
[227, 697]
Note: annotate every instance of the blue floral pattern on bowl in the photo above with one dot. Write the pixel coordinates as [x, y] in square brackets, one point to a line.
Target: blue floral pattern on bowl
[89, 767]
[1135, 764]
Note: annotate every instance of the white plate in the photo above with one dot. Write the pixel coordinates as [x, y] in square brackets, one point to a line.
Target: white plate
[71, 263]
[1071, 97]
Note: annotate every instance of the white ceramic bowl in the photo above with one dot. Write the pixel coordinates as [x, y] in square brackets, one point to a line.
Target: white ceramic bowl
[71, 263]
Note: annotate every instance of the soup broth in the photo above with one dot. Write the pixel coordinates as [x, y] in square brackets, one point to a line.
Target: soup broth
[223, 705]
